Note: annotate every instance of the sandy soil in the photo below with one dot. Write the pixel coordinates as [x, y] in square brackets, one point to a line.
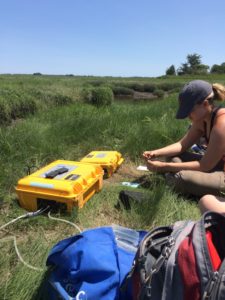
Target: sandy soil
[128, 171]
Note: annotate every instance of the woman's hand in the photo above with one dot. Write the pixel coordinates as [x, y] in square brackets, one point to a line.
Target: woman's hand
[149, 155]
[156, 166]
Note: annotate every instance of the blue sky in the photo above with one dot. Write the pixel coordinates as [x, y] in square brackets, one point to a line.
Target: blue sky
[108, 37]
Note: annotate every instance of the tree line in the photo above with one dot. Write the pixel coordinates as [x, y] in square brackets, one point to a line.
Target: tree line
[194, 65]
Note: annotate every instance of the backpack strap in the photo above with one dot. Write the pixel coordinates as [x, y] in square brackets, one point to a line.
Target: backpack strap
[179, 232]
[171, 272]
[215, 289]
[203, 260]
[157, 237]
[154, 238]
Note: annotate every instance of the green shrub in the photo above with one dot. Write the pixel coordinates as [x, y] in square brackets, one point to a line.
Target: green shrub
[15, 104]
[168, 86]
[120, 90]
[102, 96]
[159, 93]
[27, 105]
[59, 99]
[51, 99]
[136, 86]
[97, 82]
[21, 104]
[149, 88]
[4, 111]
[175, 90]
[37, 74]
[86, 94]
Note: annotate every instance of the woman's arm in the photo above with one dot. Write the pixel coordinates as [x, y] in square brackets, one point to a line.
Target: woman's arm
[163, 167]
[169, 150]
[215, 151]
[193, 134]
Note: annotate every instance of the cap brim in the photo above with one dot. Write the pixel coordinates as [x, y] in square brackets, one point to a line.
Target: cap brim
[183, 111]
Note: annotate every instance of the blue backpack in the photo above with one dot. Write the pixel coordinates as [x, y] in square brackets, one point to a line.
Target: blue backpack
[92, 265]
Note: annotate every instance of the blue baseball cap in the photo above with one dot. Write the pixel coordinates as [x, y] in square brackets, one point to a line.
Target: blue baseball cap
[194, 92]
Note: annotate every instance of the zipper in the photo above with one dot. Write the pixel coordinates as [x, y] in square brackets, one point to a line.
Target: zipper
[210, 286]
[157, 266]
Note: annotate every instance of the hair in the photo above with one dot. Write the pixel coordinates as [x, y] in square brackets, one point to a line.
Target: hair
[219, 91]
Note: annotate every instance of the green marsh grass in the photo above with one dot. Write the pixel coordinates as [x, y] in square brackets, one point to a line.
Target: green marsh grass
[70, 132]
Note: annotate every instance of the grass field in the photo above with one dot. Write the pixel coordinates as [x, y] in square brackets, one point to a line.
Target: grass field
[69, 132]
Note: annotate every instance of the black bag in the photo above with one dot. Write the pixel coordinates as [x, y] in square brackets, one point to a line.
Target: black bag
[126, 197]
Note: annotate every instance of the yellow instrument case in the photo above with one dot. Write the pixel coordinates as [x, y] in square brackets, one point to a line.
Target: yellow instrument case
[108, 160]
[68, 183]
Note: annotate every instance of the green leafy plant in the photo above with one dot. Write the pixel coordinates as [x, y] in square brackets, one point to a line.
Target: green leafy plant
[159, 93]
[120, 90]
[102, 96]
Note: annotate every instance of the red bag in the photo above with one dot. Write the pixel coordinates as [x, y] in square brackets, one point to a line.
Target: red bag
[182, 261]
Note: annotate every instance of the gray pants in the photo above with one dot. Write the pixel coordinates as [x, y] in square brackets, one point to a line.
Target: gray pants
[195, 182]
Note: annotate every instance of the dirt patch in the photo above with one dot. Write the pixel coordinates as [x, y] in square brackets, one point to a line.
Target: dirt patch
[137, 96]
[144, 95]
[127, 171]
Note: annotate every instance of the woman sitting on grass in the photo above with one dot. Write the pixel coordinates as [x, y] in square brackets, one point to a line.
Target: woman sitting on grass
[192, 173]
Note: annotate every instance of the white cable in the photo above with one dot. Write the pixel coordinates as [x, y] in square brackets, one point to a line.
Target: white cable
[27, 215]
[65, 221]
[22, 260]
[14, 237]
[18, 253]
[12, 221]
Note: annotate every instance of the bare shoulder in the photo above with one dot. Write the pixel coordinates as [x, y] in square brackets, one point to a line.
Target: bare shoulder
[219, 125]
[221, 112]
[220, 117]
